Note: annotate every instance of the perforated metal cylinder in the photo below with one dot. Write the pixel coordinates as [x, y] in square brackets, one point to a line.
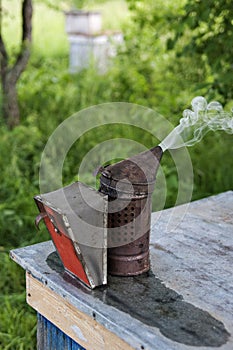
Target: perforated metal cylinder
[128, 239]
[129, 185]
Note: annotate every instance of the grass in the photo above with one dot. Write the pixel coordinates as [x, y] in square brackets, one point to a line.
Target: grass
[49, 37]
[17, 319]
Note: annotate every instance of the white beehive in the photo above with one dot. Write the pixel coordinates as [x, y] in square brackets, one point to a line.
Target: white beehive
[83, 22]
[93, 49]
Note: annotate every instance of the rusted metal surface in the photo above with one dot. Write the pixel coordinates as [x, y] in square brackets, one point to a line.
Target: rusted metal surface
[139, 171]
[129, 185]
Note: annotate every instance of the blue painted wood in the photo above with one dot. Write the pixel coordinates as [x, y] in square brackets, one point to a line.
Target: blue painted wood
[50, 337]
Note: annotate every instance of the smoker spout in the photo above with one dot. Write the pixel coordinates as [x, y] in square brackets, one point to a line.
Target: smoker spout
[129, 185]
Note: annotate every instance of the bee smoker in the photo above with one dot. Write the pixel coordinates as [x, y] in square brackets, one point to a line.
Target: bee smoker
[129, 185]
[96, 232]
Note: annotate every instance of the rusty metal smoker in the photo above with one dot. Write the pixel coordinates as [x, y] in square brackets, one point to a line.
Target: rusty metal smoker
[129, 185]
[96, 232]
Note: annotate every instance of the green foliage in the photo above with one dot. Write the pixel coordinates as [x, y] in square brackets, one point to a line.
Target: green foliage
[192, 40]
[19, 161]
[115, 13]
[212, 164]
[150, 74]
[86, 4]
[18, 321]
[209, 24]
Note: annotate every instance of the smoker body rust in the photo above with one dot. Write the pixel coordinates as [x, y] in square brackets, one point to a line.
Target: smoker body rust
[96, 232]
[129, 185]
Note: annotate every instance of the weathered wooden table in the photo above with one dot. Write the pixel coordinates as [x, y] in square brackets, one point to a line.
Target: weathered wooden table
[185, 301]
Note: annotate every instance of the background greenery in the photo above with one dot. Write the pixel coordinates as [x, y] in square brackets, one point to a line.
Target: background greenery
[168, 58]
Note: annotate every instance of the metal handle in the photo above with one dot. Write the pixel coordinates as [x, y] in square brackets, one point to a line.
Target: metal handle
[39, 218]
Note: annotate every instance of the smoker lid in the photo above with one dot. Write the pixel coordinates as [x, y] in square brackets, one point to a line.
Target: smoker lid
[139, 169]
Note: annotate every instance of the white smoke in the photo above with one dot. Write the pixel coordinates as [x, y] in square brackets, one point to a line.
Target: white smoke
[197, 122]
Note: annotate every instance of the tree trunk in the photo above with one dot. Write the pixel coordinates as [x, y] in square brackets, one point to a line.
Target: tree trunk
[10, 102]
[10, 74]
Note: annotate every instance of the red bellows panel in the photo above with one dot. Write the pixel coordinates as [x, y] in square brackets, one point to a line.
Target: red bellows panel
[66, 251]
